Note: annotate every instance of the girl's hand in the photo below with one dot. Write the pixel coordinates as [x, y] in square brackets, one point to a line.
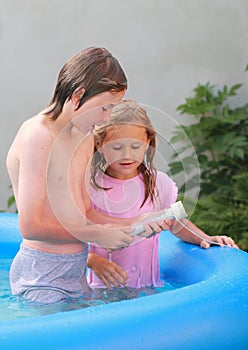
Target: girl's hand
[219, 240]
[111, 274]
[154, 227]
[152, 224]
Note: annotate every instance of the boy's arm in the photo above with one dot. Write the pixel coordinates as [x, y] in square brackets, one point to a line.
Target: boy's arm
[127, 224]
[46, 210]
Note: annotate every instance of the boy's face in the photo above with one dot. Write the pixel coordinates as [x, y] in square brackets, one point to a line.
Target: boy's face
[96, 110]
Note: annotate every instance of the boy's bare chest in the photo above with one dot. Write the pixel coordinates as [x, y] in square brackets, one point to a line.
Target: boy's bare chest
[68, 164]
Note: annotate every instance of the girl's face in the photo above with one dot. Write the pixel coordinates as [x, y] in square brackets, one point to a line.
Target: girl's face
[124, 149]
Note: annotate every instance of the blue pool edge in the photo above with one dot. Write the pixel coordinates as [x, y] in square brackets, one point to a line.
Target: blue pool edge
[210, 312]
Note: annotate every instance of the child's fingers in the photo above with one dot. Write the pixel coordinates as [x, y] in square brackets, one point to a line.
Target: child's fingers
[228, 241]
[165, 225]
[115, 275]
[204, 245]
[222, 241]
[150, 230]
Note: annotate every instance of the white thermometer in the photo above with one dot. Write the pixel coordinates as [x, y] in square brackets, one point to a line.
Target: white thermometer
[176, 211]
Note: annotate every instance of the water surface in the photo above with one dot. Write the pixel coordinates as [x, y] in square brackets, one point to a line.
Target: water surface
[12, 308]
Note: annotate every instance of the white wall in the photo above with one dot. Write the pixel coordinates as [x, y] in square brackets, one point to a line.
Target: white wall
[166, 47]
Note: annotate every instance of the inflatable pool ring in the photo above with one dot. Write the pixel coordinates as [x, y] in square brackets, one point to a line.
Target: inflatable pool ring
[209, 312]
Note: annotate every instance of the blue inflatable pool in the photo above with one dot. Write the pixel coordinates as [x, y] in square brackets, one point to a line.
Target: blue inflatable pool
[210, 312]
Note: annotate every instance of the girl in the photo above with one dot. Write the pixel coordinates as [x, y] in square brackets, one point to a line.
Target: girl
[125, 184]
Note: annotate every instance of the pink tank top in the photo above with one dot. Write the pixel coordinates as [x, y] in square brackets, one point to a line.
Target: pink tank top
[123, 200]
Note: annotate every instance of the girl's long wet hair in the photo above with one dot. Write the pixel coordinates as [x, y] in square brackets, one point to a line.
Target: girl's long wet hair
[95, 70]
[127, 112]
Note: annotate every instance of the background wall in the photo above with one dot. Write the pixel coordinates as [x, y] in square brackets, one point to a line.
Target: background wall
[166, 47]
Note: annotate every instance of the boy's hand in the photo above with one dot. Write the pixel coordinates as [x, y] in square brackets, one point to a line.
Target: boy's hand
[113, 238]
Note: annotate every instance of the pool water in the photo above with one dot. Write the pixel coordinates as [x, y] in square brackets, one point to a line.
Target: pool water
[12, 308]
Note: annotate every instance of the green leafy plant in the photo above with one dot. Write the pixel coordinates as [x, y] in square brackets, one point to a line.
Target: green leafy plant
[220, 139]
[11, 204]
[11, 201]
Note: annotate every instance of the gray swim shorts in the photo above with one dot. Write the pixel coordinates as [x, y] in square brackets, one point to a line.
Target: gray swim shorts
[48, 278]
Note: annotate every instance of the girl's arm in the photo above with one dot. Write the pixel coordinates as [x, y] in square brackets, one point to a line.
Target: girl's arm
[188, 232]
[111, 274]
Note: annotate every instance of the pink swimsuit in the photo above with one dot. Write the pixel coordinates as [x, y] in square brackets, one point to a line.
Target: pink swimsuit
[123, 200]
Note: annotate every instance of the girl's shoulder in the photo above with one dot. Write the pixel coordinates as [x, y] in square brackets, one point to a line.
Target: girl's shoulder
[164, 179]
[167, 190]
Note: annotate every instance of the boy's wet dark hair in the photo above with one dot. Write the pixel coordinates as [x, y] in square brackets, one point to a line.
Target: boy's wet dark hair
[95, 70]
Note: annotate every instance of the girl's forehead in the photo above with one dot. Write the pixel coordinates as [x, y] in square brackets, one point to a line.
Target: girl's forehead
[126, 131]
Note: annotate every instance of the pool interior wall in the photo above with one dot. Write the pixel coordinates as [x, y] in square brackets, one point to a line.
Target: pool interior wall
[210, 312]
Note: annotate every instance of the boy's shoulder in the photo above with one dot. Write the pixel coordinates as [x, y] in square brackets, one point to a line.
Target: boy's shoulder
[33, 129]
